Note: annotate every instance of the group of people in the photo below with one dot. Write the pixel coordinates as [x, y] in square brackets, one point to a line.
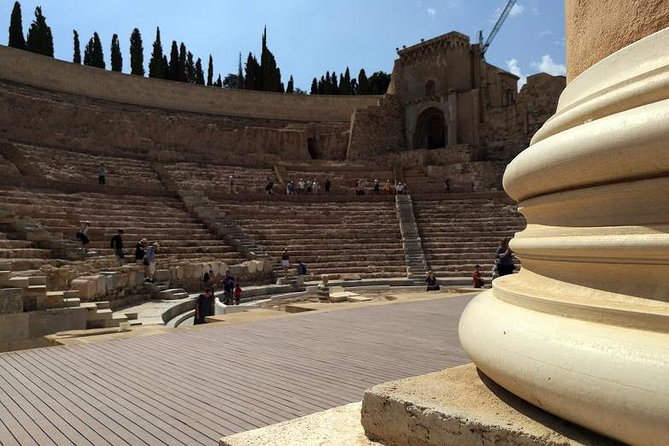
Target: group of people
[504, 265]
[145, 254]
[388, 187]
[307, 187]
[205, 302]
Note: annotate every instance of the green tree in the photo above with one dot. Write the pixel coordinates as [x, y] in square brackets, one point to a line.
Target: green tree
[210, 72]
[252, 79]
[321, 85]
[136, 53]
[76, 58]
[291, 86]
[345, 83]
[270, 77]
[191, 75]
[230, 81]
[199, 72]
[116, 57]
[379, 82]
[240, 73]
[174, 62]
[93, 55]
[183, 60]
[166, 68]
[156, 64]
[363, 83]
[314, 86]
[40, 39]
[334, 84]
[219, 82]
[16, 39]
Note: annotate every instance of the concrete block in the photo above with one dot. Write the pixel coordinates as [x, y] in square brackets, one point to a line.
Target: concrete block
[11, 300]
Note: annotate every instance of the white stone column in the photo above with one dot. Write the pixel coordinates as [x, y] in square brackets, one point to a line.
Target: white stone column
[583, 330]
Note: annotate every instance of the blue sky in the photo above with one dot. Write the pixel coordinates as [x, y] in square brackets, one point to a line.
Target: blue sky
[307, 37]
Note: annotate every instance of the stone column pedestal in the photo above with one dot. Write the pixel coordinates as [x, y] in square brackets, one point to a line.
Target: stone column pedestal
[583, 330]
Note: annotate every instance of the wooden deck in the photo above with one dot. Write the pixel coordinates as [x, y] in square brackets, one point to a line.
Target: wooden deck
[194, 387]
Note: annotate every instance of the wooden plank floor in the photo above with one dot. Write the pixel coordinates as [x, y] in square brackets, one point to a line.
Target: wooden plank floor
[194, 387]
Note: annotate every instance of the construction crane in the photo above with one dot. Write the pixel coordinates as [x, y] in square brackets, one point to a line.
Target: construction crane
[495, 29]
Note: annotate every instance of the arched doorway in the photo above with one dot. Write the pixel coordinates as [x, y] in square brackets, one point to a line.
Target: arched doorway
[430, 130]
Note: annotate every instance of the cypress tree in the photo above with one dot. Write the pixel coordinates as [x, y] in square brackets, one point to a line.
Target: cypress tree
[251, 80]
[116, 57]
[354, 86]
[136, 53]
[219, 82]
[335, 84]
[240, 73]
[40, 39]
[16, 39]
[174, 62]
[156, 64]
[345, 83]
[191, 75]
[199, 72]
[363, 83]
[210, 72]
[183, 58]
[76, 58]
[314, 86]
[291, 86]
[93, 55]
[166, 68]
[321, 85]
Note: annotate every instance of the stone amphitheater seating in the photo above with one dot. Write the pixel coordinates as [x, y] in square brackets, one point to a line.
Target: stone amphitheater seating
[21, 254]
[343, 179]
[216, 178]
[76, 167]
[158, 218]
[458, 233]
[330, 238]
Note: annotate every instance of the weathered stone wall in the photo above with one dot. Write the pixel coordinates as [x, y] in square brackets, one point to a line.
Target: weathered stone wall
[377, 131]
[43, 72]
[77, 123]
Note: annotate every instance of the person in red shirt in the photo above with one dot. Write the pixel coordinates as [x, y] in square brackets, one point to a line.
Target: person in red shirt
[238, 294]
[476, 277]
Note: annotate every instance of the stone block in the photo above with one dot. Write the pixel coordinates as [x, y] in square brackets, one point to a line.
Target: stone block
[38, 235]
[34, 298]
[252, 266]
[86, 288]
[55, 299]
[14, 327]
[4, 278]
[42, 323]
[71, 294]
[162, 275]
[5, 267]
[180, 272]
[11, 300]
[18, 282]
[237, 270]
[37, 280]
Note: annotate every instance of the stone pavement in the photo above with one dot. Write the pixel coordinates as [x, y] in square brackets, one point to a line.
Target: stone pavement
[195, 385]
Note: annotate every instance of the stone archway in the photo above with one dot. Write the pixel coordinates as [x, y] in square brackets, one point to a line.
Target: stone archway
[431, 132]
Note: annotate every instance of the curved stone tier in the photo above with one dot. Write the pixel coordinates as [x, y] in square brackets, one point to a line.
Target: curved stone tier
[583, 330]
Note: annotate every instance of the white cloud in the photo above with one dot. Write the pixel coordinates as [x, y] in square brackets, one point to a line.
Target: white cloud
[516, 10]
[545, 33]
[431, 12]
[514, 68]
[548, 66]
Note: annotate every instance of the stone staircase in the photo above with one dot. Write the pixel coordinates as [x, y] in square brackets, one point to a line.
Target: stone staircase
[459, 233]
[218, 223]
[213, 177]
[413, 249]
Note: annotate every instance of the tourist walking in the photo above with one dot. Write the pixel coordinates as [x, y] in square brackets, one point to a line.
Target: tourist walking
[238, 294]
[140, 251]
[150, 262]
[102, 174]
[447, 184]
[285, 261]
[228, 288]
[328, 185]
[117, 245]
[82, 233]
[301, 272]
[204, 306]
[504, 258]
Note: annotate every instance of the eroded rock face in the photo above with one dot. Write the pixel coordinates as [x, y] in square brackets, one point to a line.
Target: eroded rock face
[63, 120]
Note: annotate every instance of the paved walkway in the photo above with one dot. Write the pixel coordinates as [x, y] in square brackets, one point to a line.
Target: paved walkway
[194, 387]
